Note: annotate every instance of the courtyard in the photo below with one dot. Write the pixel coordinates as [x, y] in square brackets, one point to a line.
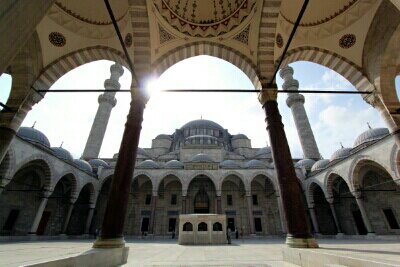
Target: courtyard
[166, 252]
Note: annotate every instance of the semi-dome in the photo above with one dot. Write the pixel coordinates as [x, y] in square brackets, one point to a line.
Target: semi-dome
[62, 153]
[320, 165]
[264, 152]
[305, 163]
[96, 163]
[83, 165]
[255, 164]
[371, 135]
[201, 158]
[342, 153]
[239, 136]
[229, 164]
[148, 164]
[164, 136]
[33, 135]
[202, 140]
[202, 124]
[174, 164]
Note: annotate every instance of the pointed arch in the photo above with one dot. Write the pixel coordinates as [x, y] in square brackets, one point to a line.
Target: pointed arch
[209, 49]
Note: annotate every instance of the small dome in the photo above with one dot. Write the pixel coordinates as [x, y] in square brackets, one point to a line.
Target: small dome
[320, 165]
[239, 136]
[96, 163]
[148, 164]
[33, 135]
[83, 165]
[201, 158]
[202, 124]
[255, 164]
[62, 153]
[229, 164]
[141, 151]
[163, 136]
[306, 163]
[371, 135]
[341, 153]
[174, 164]
[264, 152]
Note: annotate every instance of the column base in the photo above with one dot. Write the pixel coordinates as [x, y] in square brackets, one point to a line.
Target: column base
[294, 242]
[109, 242]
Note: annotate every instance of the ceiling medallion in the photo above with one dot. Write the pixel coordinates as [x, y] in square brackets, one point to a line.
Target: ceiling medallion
[128, 40]
[279, 40]
[57, 39]
[347, 41]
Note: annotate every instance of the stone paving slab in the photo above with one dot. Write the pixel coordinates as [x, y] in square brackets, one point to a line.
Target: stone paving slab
[167, 253]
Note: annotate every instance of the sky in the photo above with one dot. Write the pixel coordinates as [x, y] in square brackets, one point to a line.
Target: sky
[67, 118]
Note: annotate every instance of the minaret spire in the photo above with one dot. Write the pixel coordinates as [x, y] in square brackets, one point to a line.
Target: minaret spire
[106, 103]
[295, 102]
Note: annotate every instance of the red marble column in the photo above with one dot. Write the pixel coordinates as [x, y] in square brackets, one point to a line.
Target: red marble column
[153, 213]
[114, 218]
[298, 232]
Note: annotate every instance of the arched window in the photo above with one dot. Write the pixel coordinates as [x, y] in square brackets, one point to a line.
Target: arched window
[202, 227]
[217, 226]
[188, 227]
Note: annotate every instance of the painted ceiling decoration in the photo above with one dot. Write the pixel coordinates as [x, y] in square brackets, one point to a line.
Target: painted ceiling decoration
[322, 18]
[243, 36]
[315, 13]
[204, 18]
[84, 11]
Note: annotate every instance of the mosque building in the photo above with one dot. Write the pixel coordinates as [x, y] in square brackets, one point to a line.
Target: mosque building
[200, 168]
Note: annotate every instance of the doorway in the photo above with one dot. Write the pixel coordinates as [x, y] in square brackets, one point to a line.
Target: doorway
[257, 224]
[171, 224]
[231, 224]
[145, 224]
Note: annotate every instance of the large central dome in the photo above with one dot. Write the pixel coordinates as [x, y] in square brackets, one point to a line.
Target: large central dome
[202, 124]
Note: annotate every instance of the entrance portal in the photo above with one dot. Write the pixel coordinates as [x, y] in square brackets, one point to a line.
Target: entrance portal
[201, 202]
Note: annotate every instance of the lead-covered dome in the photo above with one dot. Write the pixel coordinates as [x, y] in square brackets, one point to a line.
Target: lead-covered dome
[83, 165]
[96, 163]
[148, 164]
[164, 136]
[264, 153]
[239, 136]
[341, 153]
[32, 135]
[255, 164]
[174, 164]
[141, 151]
[229, 164]
[371, 135]
[201, 158]
[320, 165]
[202, 124]
[62, 153]
[305, 163]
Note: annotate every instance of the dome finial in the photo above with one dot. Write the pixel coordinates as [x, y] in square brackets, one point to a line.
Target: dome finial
[369, 126]
[341, 144]
[33, 126]
[62, 142]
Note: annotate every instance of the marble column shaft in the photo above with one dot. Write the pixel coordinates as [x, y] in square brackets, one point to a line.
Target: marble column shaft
[68, 218]
[360, 203]
[183, 205]
[39, 214]
[249, 199]
[114, 218]
[89, 220]
[335, 218]
[281, 214]
[314, 219]
[298, 231]
[153, 213]
[219, 205]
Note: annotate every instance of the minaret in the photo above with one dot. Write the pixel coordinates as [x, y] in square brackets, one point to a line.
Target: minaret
[106, 103]
[295, 102]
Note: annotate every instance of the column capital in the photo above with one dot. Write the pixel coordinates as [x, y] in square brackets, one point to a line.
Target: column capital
[374, 99]
[357, 194]
[268, 94]
[330, 200]
[47, 193]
